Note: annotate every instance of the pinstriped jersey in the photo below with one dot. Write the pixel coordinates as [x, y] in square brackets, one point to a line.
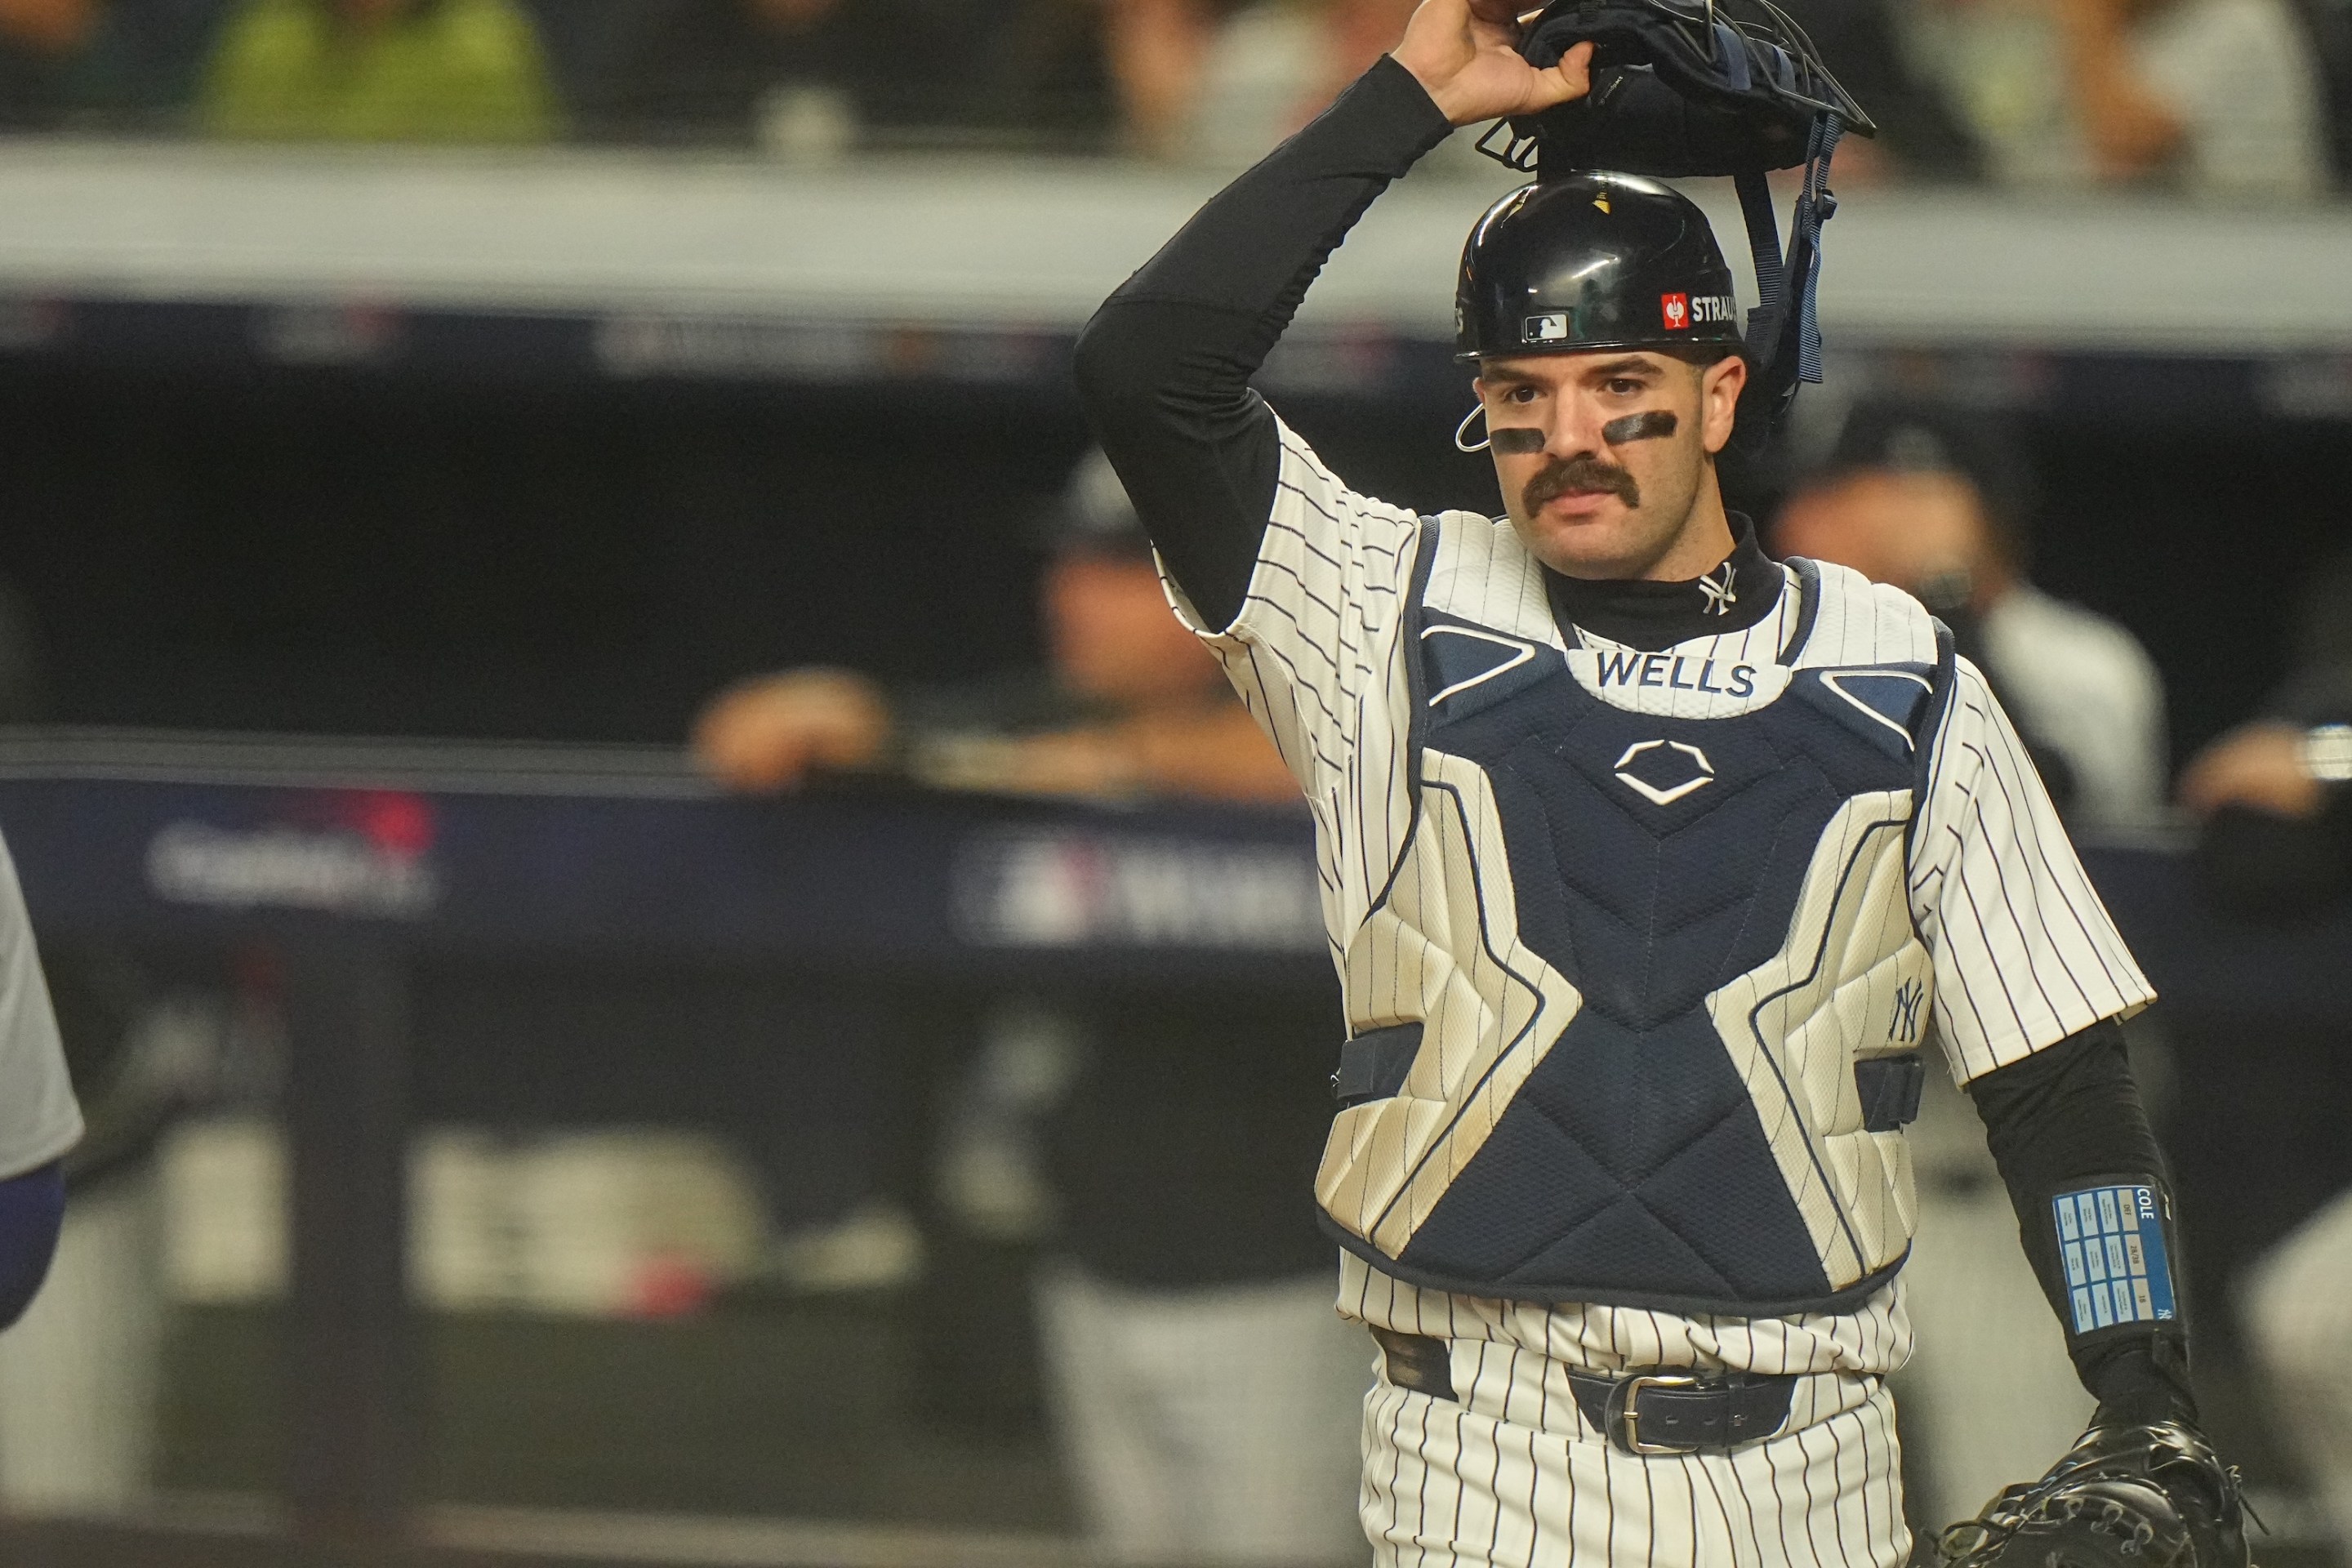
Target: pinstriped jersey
[1944, 893]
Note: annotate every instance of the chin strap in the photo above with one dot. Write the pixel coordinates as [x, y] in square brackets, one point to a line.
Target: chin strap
[1764, 253]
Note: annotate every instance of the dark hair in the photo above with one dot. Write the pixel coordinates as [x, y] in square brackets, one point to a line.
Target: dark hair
[1094, 516]
[1702, 354]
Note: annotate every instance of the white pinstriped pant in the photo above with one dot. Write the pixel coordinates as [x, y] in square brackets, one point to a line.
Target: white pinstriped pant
[1513, 1477]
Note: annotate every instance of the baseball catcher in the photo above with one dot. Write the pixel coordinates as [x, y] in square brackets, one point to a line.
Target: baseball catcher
[1651, 866]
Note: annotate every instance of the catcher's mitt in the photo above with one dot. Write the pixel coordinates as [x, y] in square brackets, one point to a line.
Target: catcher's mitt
[2123, 1497]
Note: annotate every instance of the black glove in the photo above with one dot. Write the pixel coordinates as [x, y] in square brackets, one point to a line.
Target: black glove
[2125, 1496]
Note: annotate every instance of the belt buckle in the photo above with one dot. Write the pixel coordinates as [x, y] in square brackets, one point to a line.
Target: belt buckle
[1627, 1420]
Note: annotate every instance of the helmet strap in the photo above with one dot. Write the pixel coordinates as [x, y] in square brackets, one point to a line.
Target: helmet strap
[1815, 206]
[1461, 442]
[1764, 251]
[1784, 334]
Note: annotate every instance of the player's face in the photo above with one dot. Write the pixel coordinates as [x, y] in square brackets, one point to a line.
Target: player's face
[1908, 528]
[1603, 456]
[1114, 638]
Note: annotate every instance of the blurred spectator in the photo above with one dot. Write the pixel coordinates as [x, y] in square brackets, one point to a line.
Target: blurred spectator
[1205, 1393]
[1127, 707]
[1158, 52]
[2216, 98]
[702, 70]
[378, 70]
[2276, 813]
[2274, 797]
[807, 76]
[38, 41]
[112, 64]
[1937, 503]
[2219, 95]
[1225, 79]
[1158, 57]
[1920, 134]
[2330, 24]
[141, 64]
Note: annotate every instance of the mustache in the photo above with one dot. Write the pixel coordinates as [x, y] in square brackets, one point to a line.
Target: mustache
[1585, 471]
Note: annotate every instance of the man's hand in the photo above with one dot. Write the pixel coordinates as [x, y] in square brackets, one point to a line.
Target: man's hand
[2128, 128]
[2257, 766]
[1465, 55]
[768, 733]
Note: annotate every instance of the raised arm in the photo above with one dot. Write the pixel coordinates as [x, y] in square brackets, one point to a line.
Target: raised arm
[1165, 367]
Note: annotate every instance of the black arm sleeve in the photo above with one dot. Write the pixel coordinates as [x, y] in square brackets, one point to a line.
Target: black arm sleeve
[2054, 1119]
[1165, 367]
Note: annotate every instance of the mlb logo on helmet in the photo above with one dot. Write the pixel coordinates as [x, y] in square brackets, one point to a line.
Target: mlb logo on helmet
[1550, 329]
[1675, 308]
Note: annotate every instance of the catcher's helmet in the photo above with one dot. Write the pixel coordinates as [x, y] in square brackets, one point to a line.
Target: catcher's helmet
[1592, 261]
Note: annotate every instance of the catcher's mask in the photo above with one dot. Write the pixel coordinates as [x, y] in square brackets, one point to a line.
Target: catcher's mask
[1701, 87]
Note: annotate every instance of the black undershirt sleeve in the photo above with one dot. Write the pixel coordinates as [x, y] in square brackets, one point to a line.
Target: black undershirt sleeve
[2055, 1121]
[1165, 367]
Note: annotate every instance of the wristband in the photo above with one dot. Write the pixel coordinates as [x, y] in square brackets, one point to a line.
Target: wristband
[2115, 1247]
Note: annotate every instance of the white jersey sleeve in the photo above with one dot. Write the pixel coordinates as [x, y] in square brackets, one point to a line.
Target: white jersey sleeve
[39, 1118]
[1316, 637]
[2025, 953]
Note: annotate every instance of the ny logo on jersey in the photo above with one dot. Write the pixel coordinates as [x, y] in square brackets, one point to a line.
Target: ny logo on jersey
[1908, 997]
[1719, 595]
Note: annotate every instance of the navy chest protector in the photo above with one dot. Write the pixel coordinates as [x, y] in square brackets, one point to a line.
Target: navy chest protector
[1654, 861]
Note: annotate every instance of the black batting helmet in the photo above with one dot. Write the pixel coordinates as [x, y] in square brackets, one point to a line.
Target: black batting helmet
[1591, 261]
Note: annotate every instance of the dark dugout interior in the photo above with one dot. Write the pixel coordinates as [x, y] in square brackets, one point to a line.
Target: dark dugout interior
[374, 550]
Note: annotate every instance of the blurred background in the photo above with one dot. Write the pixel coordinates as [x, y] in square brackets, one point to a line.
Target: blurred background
[672, 960]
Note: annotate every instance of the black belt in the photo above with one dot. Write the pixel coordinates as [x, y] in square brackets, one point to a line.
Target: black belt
[1653, 1410]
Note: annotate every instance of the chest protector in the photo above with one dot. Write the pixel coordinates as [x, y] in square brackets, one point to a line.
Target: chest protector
[1653, 1001]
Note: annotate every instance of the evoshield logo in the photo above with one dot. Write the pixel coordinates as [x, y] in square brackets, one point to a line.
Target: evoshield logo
[1678, 768]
